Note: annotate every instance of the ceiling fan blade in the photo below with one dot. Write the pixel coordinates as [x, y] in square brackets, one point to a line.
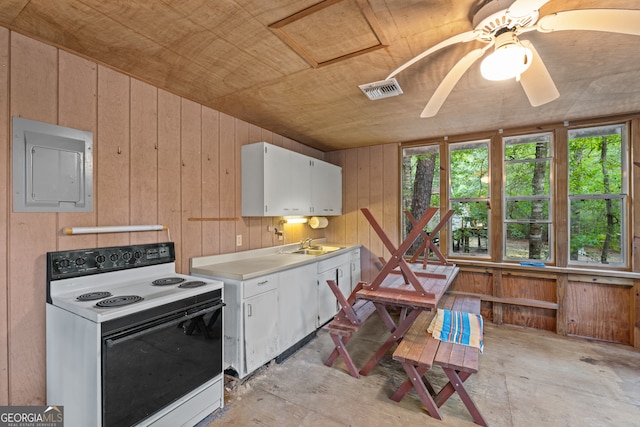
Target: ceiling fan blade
[449, 81]
[459, 38]
[623, 21]
[536, 81]
[522, 8]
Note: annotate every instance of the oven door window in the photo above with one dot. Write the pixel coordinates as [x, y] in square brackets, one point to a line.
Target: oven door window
[151, 366]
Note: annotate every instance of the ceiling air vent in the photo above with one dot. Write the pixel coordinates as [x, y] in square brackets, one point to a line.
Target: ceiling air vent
[381, 89]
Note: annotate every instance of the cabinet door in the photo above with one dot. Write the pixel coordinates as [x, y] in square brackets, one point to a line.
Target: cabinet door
[299, 167]
[297, 305]
[277, 181]
[326, 188]
[356, 272]
[327, 302]
[344, 279]
[260, 329]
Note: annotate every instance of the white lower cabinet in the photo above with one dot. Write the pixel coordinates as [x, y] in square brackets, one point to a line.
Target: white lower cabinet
[326, 299]
[250, 322]
[337, 268]
[268, 315]
[260, 330]
[296, 316]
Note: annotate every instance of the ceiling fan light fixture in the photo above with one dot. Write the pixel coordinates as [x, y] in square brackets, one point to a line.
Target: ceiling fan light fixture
[509, 60]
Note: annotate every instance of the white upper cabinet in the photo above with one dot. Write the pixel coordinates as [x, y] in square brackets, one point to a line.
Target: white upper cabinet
[326, 189]
[280, 182]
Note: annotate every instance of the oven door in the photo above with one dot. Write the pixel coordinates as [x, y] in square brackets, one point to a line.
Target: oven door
[158, 357]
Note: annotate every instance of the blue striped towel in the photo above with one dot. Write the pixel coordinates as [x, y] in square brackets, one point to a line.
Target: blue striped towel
[457, 327]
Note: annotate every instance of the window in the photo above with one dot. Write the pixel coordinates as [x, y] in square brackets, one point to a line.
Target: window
[420, 187]
[563, 202]
[597, 195]
[469, 198]
[527, 196]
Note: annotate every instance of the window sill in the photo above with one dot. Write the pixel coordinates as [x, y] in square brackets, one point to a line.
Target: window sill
[547, 269]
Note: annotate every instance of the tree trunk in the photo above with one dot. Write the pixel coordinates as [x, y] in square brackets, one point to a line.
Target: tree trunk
[422, 186]
[535, 228]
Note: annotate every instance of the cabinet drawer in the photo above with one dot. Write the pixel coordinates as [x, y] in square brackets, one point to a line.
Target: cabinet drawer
[260, 284]
[334, 262]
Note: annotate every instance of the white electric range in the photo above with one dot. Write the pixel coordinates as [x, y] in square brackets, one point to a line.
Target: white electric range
[129, 340]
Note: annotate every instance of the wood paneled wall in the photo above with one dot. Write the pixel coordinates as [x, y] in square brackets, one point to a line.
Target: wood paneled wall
[158, 159]
[370, 180]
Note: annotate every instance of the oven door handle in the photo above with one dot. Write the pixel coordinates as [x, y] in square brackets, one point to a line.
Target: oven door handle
[110, 342]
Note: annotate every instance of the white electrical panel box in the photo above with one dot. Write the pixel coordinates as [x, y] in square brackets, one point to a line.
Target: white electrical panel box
[52, 168]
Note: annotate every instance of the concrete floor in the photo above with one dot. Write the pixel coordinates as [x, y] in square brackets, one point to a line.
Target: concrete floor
[527, 378]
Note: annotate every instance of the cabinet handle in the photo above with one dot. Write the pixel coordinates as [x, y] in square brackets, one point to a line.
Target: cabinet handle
[264, 282]
[250, 310]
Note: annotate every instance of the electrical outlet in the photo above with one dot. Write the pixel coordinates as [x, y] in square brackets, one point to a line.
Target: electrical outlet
[239, 240]
[271, 228]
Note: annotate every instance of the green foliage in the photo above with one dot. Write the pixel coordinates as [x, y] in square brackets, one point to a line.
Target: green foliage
[468, 167]
[586, 173]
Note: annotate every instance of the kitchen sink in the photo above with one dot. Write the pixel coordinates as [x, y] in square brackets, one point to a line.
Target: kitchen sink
[318, 250]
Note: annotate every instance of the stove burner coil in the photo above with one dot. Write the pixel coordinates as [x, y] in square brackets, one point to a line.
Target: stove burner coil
[92, 296]
[166, 281]
[118, 301]
[192, 284]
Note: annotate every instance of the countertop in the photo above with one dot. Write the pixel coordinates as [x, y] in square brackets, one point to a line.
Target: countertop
[260, 262]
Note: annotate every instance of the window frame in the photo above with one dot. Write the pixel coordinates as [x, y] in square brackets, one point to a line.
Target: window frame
[623, 196]
[435, 147]
[550, 198]
[451, 200]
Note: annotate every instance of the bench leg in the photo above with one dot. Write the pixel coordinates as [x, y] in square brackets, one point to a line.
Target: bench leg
[406, 386]
[341, 350]
[396, 336]
[456, 378]
[416, 380]
[335, 353]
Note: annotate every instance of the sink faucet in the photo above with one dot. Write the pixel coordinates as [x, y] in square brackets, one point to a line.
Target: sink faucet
[306, 243]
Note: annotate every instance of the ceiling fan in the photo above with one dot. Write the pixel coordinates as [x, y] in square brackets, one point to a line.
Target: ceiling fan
[499, 23]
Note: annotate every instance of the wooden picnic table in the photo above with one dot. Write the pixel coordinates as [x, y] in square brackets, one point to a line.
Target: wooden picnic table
[411, 287]
[393, 290]
[394, 293]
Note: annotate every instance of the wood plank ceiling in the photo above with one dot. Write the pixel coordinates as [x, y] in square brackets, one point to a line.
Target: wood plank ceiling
[294, 66]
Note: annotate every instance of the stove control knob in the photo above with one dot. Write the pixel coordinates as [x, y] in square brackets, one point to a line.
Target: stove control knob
[113, 257]
[126, 256]
[137, 254]
[100, 259]
[63, 263]
[81, 261]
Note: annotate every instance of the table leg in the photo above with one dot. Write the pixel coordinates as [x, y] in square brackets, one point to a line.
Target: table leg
[385, 316]
[396, 336]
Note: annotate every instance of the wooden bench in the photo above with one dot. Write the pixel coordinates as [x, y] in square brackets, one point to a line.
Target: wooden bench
[352, 315]
[419, 351]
